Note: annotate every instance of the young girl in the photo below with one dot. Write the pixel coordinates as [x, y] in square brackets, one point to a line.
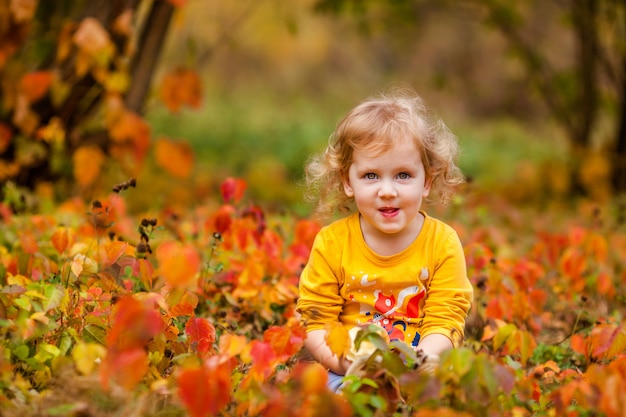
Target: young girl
[388, 263]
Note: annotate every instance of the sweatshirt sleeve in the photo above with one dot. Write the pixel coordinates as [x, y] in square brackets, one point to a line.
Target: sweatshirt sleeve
[450, 293]
[319, 300]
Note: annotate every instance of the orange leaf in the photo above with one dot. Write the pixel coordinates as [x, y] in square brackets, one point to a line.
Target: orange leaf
[88, 161]
[206, 390]
[605, 284]
[113, 250]
[494, 309]
[312, 377]
[175, 157]
[28, 241]
[35, 85]
[127, 368]
[179, 263]
[338, 339]
[123, 24]
[23, 10]
[186, 306]
[201, 334]
[145, 272]
[608, 340]
[305, 232]
[181, 87]
[62, 238]
[578, 344]
[129, 130]
[233, 189]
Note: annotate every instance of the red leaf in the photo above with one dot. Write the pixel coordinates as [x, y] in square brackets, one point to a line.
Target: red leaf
[127, 368]
[134, 325]
[201, 334]
[36, 84]
[206, 390]
[233, 189]
[6, 136]
[262, 356]
[284, 341]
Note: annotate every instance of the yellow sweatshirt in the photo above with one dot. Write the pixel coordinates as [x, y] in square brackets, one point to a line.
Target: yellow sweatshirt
[422, 290]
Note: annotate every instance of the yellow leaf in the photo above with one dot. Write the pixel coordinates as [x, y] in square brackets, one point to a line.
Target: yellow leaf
[53, 132]
[87, 355]
[176, 157]
[82, 264]
[232, 345]
[88, 161]
[338, 339]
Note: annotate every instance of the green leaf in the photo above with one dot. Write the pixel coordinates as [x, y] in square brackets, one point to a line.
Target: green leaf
[393, 363]
[65, 343]
[46, 352]
[54, 294]
[21, 352]
[94, 334]
[458, 361]
[23, 302]
[503, 334]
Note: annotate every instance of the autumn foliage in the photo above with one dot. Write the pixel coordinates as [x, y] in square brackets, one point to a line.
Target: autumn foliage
[74, 78]
[195, 313]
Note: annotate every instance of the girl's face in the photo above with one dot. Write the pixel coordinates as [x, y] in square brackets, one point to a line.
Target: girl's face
[388, 189]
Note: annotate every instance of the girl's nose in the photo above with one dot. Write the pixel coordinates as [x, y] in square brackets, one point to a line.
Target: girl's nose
[387, 189]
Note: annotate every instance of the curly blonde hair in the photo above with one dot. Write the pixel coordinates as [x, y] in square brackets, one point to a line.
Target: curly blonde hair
[374, 125]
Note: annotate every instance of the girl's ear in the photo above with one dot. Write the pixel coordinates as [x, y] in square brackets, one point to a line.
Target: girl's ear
[427, 184]
[347, 188]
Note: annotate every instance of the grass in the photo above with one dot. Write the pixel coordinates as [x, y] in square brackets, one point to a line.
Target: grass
[266, 139]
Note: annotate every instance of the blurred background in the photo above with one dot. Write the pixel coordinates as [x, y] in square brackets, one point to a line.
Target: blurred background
[534, 91]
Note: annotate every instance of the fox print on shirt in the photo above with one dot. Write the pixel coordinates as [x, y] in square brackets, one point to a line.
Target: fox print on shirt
[391, 309]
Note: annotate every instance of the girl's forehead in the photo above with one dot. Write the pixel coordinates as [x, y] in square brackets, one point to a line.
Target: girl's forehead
[383, 144]
[405, 151]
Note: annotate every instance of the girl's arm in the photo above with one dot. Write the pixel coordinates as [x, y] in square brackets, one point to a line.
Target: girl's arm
[434, 344]
[316, 344]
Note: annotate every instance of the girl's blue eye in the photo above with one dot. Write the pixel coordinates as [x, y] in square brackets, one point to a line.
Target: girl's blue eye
[370, 176]
[403, 176]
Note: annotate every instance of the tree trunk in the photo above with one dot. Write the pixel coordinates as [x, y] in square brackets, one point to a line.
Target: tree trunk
[149, 47]
[584, 14]
[619, 162]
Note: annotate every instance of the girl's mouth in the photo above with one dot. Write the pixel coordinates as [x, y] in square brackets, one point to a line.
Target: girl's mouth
[388, 211]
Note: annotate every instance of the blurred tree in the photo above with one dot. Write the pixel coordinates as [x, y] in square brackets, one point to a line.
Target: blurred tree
[74, 76]
[578, 85]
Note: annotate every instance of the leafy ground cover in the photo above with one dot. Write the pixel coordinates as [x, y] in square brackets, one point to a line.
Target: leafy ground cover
[192, 313]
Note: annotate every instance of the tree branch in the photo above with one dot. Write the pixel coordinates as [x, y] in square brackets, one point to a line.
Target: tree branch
[149, 47]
